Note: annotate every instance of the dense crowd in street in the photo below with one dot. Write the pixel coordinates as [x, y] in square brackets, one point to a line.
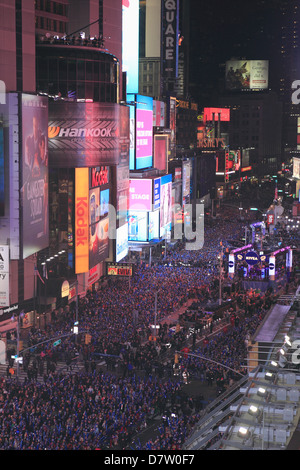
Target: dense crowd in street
[93, 408]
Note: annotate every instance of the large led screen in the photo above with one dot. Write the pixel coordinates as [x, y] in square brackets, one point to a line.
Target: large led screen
[84, 134]
[144, 132]
[121, 242]
[130, 44]
[165, 204]
[140, 194]
[104, 202]
[34, 191]
[247, 74]
[138, 226]
[98, 214]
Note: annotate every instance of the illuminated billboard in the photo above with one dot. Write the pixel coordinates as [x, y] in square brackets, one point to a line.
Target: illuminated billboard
[216, 114]
[153, 225]
[140, 194]
[122, 269]
[98, 214]
[121, 242]
[84, 134]
[34, 190]
[130, 44]
[159, 114]
[160, 152]
[247, 74]
[186, 182]
[156, 193]
[137, 226]
[104, 202]
[165, 204]
[172, 126]
[296, 168]
[144, 132]
[81, 220]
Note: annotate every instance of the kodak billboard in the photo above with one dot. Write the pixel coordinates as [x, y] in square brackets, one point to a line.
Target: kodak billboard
[81, 220]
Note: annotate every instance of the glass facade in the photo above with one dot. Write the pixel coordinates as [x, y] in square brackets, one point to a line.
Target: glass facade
[77, 73]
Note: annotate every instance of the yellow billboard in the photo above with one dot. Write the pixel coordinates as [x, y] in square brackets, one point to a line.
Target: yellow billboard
[81, 220]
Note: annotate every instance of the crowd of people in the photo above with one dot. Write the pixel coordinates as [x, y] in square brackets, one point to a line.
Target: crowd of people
[94, 408]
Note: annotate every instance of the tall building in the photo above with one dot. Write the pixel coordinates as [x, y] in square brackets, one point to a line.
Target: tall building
[17, 45]
[71, 84]
[51, 17]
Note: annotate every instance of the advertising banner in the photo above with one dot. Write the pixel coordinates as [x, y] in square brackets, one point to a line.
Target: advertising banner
[138, 226]
[144, 132]
[247, 74]
[165, 204]
[156, 193]
[158, 114]
[153, 225]
[82, 220]
[172, 126]
[99, 194]
[121, 242]
[130, 42]
[186, 182]
[123, 169]
[140, 194]
[161, 152]
[34, 189]
[296, 168]
[214, 114]
[84, 134]
[4, 276]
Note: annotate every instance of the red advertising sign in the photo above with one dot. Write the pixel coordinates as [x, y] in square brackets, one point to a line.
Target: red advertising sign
[216, 114]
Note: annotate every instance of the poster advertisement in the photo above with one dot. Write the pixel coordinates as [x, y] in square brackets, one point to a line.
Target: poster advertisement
[247, 74]
[161, 152]
[144, 132]
[140, 194]
[165, 204]
[34, 190]
[99, 193]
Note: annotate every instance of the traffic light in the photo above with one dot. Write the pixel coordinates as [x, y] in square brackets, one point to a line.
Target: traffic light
[20, 345]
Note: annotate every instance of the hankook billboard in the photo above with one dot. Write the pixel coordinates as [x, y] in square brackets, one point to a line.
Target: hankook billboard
[84, 134]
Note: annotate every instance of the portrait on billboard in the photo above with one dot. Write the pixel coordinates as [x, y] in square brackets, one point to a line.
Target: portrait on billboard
[34, 190]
